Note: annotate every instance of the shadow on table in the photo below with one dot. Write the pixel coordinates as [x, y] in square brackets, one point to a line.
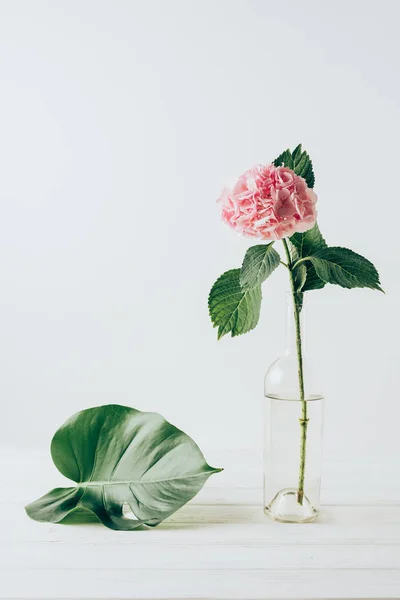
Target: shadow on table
[194, 516]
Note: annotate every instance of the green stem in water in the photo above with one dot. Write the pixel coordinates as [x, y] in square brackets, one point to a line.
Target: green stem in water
[304, 419]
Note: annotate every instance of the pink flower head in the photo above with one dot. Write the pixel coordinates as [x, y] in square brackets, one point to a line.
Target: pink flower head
[270, 203]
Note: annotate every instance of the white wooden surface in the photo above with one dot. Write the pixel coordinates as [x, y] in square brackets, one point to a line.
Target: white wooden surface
[220, 546]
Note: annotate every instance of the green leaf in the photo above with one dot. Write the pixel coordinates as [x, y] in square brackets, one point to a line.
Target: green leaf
[344, 267]
[284, 159]
[299, 162]
[306, 244]
[313, 282]
[296, 153]
[299, 276]
[302, 166]
[258, 264]
[121, 456]
[233, 309]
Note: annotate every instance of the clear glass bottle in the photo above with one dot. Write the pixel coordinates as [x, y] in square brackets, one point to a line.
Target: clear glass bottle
[294, 414]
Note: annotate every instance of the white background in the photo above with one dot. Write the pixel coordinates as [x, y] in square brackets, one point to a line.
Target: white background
[120, 122]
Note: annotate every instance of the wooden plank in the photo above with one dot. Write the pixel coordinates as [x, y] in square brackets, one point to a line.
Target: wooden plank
[201, 556]
[222, 584]
[205, 550]
[195, 524]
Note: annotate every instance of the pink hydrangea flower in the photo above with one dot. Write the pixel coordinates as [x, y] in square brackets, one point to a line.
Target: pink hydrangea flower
[269, 203]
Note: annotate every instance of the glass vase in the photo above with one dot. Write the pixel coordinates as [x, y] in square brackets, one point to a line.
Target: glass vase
[294, 413]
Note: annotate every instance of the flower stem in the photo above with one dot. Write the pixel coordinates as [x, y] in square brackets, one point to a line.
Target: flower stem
[304, 419]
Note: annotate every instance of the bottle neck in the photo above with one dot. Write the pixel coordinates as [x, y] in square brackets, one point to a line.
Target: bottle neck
[291, 330]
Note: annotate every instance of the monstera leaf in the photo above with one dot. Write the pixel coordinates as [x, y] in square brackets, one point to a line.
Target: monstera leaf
[118, 457]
